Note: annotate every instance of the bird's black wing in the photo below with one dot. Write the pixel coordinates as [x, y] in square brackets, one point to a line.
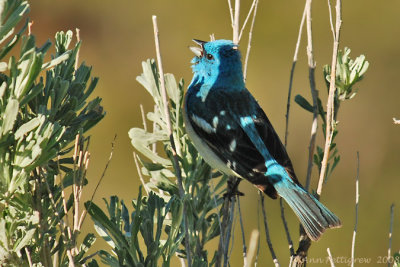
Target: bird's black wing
[220, 129]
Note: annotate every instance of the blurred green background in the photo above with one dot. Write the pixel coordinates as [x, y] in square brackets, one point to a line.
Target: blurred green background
[118, 35]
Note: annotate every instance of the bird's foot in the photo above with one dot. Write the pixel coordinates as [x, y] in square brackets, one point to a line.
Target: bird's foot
[233, 188]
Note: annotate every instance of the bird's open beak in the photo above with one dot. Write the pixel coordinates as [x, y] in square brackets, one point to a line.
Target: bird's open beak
[198, 51]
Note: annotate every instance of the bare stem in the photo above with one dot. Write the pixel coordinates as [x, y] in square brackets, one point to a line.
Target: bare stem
[332, 89]
[250, 39]
[271, 249]
[245, 262]
[229, 232]
[353, 243]
[289, 239]
[28, 255]
[105, 170]
[140, 173]
[390, 233]
[230, 11]
[296, 52]
[330, 257]
[252, 246]
[143, 117]
[224, 237]
[247, 19]
[235, 24]
[171, 137]
[314, 93]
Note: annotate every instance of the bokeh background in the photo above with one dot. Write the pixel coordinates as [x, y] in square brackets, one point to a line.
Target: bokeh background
[117, 36]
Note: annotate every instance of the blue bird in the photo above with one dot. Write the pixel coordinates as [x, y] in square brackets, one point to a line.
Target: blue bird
[233, 135]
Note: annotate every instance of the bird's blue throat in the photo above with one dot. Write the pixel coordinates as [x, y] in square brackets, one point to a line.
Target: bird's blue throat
[217, 65]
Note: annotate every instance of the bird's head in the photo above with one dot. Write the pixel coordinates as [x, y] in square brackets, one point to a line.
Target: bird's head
[217, 62]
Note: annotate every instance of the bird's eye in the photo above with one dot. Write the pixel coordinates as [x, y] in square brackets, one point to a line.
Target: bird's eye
[209, 57]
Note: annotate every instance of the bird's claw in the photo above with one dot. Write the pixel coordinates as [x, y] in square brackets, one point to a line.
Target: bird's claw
[232, 189]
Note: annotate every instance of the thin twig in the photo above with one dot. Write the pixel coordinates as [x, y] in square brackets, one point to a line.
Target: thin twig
[331, 19]
[235, 24]
[171, 137]
[245, 262]
[305, 242]
[295, 56]
[143, 118]
[61, 225]
[271, 249]
[229, 232]
[140, 173]
[230, 11]
[249, 41]
[28, 255]
[314, 93]
[223, 237]
[353, 243]
[252, 246]
[247, 18]
[330, 257]
[258, 229]
[296, 52]
[105, 170]
[288, 237]
[332, 89]
[390, 233]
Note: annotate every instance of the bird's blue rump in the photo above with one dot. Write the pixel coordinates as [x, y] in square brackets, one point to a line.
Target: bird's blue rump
[233, 134]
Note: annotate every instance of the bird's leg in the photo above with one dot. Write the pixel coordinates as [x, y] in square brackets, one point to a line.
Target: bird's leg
[233, 187]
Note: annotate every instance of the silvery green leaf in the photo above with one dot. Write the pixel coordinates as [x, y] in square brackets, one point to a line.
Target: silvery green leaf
[25, 240]
[141, 140]
[3, 66]
[147, 80]
[58, 60]
[3, 87]
[156, 117]
[27, 127]
[20, 8]
[103, 233]
[63, 40]
[172, 88]
[10, 115]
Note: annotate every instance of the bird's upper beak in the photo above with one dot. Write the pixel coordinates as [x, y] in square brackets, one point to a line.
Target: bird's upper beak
[198, 51]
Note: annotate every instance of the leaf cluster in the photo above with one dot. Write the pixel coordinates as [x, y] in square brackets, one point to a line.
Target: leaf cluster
[164, 235]
[44, 104]
[348, 73]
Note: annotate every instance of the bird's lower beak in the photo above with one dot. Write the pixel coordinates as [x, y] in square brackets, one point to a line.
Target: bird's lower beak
[198, 51]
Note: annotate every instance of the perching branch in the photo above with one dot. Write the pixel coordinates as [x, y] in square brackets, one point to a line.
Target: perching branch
[245, 262]
[169, 128]
[332, 89]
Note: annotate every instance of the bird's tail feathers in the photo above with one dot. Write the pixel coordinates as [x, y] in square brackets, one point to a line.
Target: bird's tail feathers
[314, 216]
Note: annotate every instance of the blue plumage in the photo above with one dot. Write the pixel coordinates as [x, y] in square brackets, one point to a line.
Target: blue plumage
[233, 134]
